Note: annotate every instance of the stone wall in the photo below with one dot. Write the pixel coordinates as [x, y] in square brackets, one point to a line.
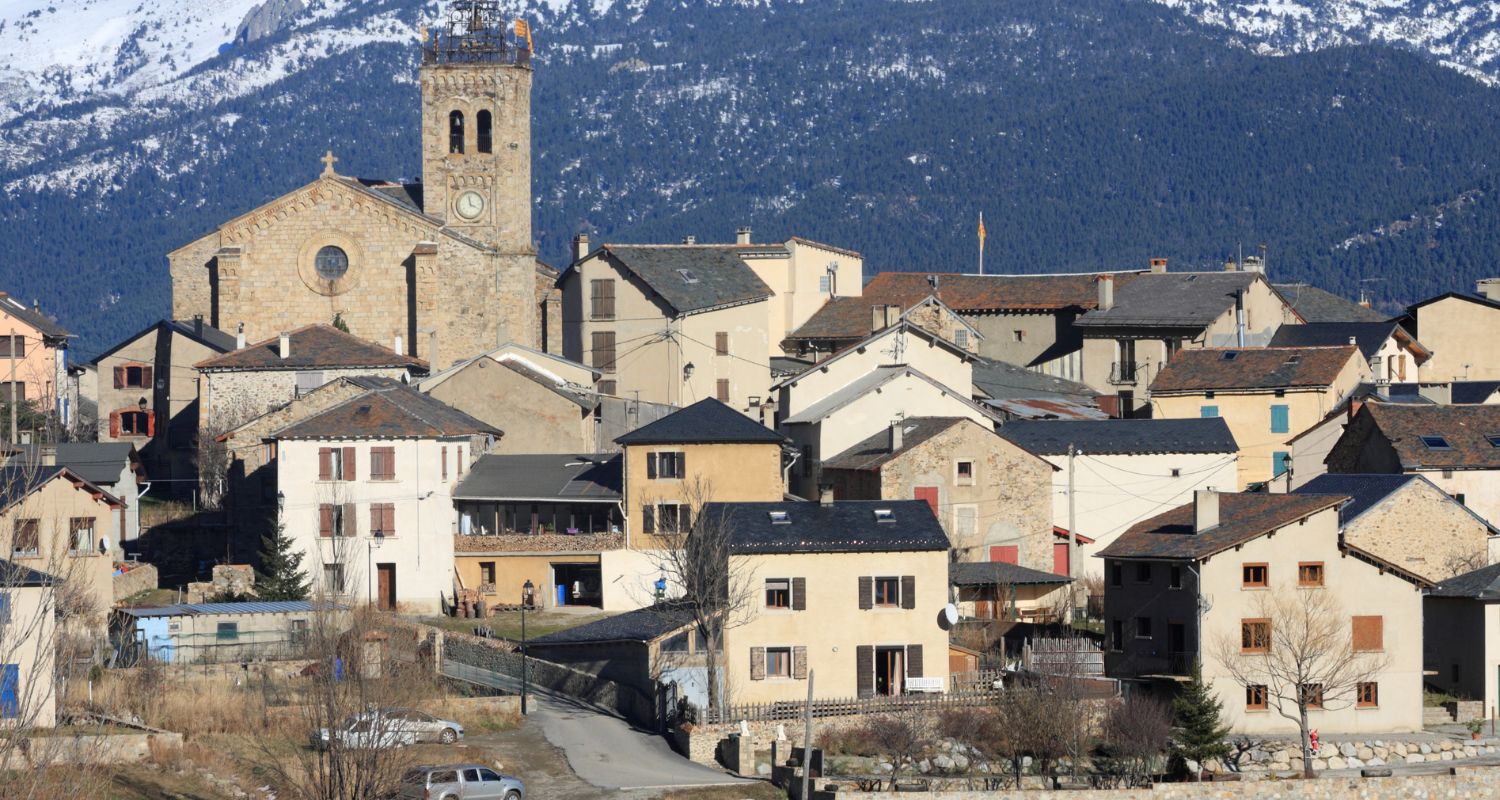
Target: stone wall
[134, 580]
[1453, 540]
[1357, 754]
[121, 748]
[234, 397]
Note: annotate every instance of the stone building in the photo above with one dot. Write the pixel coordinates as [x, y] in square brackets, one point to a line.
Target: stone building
[447, 265]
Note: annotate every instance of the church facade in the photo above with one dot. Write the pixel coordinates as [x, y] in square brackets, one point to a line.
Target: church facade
[440, 270]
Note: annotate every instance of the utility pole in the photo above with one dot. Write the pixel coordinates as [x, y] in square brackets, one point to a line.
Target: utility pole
[11, 350]
[1072, 524]
[807, 738]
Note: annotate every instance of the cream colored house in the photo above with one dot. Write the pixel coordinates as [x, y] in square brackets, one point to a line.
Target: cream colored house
[1217, 564]
[1267, 396]
[1461, 329]
[809, 275]
[898, 343]
[28, 647]
[852, 590]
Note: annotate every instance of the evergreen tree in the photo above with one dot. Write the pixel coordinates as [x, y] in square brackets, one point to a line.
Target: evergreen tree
[1198, 732]
[339, 323]
[281, 576]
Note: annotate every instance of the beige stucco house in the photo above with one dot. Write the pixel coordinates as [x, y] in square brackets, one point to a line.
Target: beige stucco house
[1461, 329]
[1267, 396]
[1394, 356]
[1219, 565]
[28, 647]
[900, 343]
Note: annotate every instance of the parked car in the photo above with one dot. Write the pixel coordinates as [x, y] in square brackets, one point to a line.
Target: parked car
[424, 726]
[460, 782]
[362, 733]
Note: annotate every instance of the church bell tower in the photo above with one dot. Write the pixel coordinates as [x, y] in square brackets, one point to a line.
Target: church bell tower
[476, 125]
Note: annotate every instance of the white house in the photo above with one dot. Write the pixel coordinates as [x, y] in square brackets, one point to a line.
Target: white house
[366, 489]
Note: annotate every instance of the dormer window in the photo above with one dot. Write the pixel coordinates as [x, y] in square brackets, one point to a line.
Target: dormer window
[884, 515]
[779, 518]
[1493, 439]
[1436, 443]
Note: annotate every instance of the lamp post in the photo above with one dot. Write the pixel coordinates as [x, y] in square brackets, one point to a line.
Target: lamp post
[527, 590]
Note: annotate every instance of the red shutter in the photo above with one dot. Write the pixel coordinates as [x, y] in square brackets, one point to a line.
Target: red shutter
[146, 377]
[114, 424]
[119, 377]
[325, 463]
[928, 493]
[325, 520]
[1007, 553]
[390, 519]
[1060, 558]
[350, 473]
[150, 423]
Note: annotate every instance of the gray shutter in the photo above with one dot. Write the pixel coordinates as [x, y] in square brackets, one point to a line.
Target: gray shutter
[914, 661]
[908, 591]
[682, 465]
[648, 519]
[799, 663]
[757, 663]
[866, 592]
[351, 525]
[799, 594]
[651, 465]
[864, 670]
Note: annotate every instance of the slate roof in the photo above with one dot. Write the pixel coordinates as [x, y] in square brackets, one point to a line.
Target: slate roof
[1230, 368]
[839, 318]
[999, 573]
[96, 462]
[1243, 517]
[408, 195]
[719, 276]
[208, 336]
[1465, 429]
[872, 380]
[785, 366]
[590, 478]
[1316, 305]
[707, 421]
[641, 625]
[436, 378]
[967, 292]
[1122, 436]
[1472, 298]
[32, 316]
[1364, 490]
[874, 452]
[1368, 336]
[1481, 584]
[1171, 300]
[394, 411]
[15, 575]
[18, 480]
[579, 397]
[1472, 392]
[313, 347]
[843, 526]
[1001, 381]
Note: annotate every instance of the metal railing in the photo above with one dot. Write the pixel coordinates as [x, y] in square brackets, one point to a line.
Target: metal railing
[1124, 372]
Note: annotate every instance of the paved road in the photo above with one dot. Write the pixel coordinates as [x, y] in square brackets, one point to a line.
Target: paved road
[601, 748]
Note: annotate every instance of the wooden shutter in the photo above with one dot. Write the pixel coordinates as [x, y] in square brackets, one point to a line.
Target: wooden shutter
[325, 520]
[914, 661]
[445, 462]
[146, 380]
[325, 463]
[928, 493]
[348, 527]
[722, 390]
[682, 465]
[908, 591]
[721, 343]
[757, 663]
[651, 466]
[1006, 553]
[799, 663]
[799, 594]
[151, 423]
[350, 473]
[1369, 634]
[114, 424]
[866, 592]
[648, 519]
[119, 377]
[864, 670]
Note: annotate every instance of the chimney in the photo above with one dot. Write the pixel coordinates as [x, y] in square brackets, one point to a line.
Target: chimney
[285, 348]
[825, 494]
[742, 236]
[239, 338]
[1205, 510]
[768, 413]
[432, 350]
[1231, 266]
[1255, 264]
[896, 433]
[580, 246]
[397, 348]
[1488, 288]
[1353, 340]
[49, 455]
[877, 317]
[1158, 265]
[690, 239]
[198, 325]
[1106, 292]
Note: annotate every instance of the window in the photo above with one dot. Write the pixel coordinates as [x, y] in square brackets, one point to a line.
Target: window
[1435, 443]
[778, 593]
[1117, 635]
[1143, 627]
[12, 346]
[1311, 694]
[687, 276]
[456, 132]
[228, 631]
[666, 465]
[1230, 355]
[665, 517]
[1143, 573]
[1310, 573]
[485, 133]
[602, 299]
[1366, 694]
[1281, 419]
[887, 592]
[677, 643]
[333, 578]
[1255, 697]
[779, 518]
[308, 381]
[335, 520]
[27, 540]
[1447, 474]
[382, 519]
[965, 473]
[965, 522]
[1020, 336]
[610, 388]
[1255, 576]
[81, 534]
[335, 463]
[13, 389]
[1369, 634]
[824, 283]
[382, 463]
[1458, 497]
[604, 351]
[961, 338]
[721, 390]
[1116, 574]
[1493, 439]
[458, 461]
[778, 662]
[1125, 358]
[721, 343]
[331, 263]
[1208, 412]
[1174, 577]
[133, 423]
[487, 572]
[132, 376]
[1255, 636]
[10, 691]
[298, 632]
[1177, 472]
[1281, 462]
[884, 515]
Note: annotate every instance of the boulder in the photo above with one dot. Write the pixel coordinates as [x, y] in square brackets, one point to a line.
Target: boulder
[1355, 763]
[1444, 746]
[924, 766]
[1347, 749]
[1445, 756]
[961, 762]
[1377, 761]
[1320, 764]
[1415, 758]
[1381, 751]
[1424, 748]
[1364, 753]
[1336, 762]
[942, 763]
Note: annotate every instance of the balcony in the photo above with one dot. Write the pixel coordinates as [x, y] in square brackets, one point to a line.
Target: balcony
[1124, 373]
[512, 542]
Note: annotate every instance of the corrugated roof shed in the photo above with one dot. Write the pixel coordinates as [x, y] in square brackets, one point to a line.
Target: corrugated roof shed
[248, 607]
[1252, 368]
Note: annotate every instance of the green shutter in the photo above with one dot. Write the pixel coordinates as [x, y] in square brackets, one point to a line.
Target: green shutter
[1208, 411]
[1280, 419]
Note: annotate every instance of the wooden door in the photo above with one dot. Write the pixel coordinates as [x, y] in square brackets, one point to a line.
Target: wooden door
[386, 585]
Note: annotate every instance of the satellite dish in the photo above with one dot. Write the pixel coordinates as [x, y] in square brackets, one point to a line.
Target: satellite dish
[950, 614]
[104, 544]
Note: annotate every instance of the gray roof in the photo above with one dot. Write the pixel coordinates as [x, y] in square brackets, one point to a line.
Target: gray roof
[1366, 490]
[707, 421]
[1002, 381]
[1316, 305]
[1472, 392]
[15, 575]
[393, 411]
[96, 462]
[205, 333]
[843, 526]
[592, 478]
[248, 607]
[692, 277]
[19, 480]
[1171, 300]
[32, 316]
[783, 366]
[642, 625]
[1481, 584]
[871, 381]
[1122, 436]
[876, 451]
[999, 573]
[1369, 336]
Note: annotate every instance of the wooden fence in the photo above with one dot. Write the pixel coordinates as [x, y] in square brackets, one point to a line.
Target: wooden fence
[841, 707]
[1078, 657]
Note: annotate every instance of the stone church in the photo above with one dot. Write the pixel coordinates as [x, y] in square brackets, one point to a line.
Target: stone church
[441, 270]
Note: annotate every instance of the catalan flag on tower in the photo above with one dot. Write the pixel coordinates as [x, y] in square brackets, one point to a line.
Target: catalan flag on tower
[523, 31]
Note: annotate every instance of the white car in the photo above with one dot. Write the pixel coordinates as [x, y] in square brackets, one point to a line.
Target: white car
[424, 726]
[460, 782]
[363, 733]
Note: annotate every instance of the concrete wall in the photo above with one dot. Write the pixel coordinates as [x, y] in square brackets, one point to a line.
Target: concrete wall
[1461, 335]
[729, 473]
[139, 578]
[535, 418]
[1039, 332]
[29, 641]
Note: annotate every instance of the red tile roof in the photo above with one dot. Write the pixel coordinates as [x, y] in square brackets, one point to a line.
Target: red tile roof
[1242, 517]
[1229, 368]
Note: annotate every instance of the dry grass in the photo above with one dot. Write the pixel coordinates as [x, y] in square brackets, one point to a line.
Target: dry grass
[749, 791]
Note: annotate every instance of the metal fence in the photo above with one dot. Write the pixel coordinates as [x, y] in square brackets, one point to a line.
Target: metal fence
[850, 706]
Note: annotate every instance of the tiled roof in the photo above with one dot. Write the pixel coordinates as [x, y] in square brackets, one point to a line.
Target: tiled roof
[1171, 300]
[839, 318]
[1466, 430]
[591, 478]
[204, 333]
[1364, 491]
[704, 422]
[1242, 517]
[31, 316]
[904, 327]
[641, 625]
[999, 573]
[1231, 368]
[843, 526]
[693, 277]
[15, 575]
[875, 451]
[395, 411]
[966, 292]
[313, 347]
[1122, 436]
[1315, 305]
[1481, 584]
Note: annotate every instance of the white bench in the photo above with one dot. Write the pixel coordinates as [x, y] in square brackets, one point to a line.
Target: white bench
[924, 685]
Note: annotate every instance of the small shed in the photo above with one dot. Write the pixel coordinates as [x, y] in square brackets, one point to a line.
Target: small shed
[206, 633]
[1003, 591]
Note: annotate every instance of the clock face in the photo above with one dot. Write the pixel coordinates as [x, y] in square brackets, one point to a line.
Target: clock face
[470, 204]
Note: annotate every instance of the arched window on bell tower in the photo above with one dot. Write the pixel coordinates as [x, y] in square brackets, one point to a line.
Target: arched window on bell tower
[485, 135]
[456, 132]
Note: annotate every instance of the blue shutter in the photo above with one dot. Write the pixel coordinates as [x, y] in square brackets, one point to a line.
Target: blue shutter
[1208, 411]
[10, 690]
[4, 608]
[1280, 420]
[1278, 462]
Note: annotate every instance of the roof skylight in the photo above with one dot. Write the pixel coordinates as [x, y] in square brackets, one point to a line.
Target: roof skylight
[1436, 443]
[779, 518]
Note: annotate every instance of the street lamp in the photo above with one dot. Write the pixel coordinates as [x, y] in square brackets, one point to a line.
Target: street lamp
[527, 590]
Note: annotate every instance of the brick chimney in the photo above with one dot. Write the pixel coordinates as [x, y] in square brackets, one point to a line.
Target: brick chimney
[1158, 265]
[285, 348]
[1205, 510]
[580, 246]
[1106, 292]
[742, 236]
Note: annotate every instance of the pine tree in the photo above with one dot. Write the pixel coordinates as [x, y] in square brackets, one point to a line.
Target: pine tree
[339, 323]
[281, 576]
[1198, 731]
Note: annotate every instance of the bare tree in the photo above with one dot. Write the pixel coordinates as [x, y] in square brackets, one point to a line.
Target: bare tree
[978, 729]
[1459, 563]
[211, 457]
[902, 736]
[1300, 654]
[1133, 736]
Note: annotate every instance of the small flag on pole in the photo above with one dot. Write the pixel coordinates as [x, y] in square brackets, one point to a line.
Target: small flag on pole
[523, 31]
[981, 242]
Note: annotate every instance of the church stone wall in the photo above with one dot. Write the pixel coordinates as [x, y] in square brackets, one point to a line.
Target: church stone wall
[190, 267]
